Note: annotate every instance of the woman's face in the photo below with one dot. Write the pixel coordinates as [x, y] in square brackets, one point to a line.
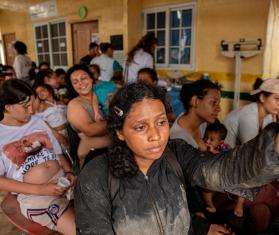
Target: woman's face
[271, 103]
[81, 81]
[42, 93]
[208, 107]
[146, 130]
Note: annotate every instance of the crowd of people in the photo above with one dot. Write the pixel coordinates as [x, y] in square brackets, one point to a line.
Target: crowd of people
[130, 166]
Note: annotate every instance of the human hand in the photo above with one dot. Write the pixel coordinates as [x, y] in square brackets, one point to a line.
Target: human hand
[51, 189]
[72, 178]
[217, 229]
[210, 148]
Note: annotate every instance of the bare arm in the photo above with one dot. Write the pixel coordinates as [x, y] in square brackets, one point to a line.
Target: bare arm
[79, 118]
[66, 166]
[49, 189]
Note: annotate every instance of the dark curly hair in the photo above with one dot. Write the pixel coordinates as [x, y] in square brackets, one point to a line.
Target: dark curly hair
[198, 88]
[13, 91]
[71, 91]
[121, 158]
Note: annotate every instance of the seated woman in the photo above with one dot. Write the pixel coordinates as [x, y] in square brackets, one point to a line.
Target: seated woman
[31, 161]
[83, 112]
[244, 124]
[201, 101]
[137, 187]
[52, 112]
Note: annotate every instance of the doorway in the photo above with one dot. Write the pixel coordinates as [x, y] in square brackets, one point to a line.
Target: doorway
[83, 34]
[8, 40]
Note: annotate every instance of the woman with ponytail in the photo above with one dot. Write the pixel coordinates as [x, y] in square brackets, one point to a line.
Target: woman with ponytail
[138, 186]
[141, 56]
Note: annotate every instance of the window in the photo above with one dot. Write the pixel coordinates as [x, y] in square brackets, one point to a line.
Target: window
[51, 43]
[174, 28]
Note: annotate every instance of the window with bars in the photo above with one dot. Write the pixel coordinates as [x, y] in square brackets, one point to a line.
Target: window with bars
[174, 28]
[51, 43]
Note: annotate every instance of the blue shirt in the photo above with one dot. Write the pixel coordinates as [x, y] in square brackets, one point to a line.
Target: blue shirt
[104, 91]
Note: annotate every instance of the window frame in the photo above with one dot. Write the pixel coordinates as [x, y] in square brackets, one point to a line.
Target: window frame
[167, 9]
[49, 23]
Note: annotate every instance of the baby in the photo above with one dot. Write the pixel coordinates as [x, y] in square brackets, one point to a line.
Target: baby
[214, 137]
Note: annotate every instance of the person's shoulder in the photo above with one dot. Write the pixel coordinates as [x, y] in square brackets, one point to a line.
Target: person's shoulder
[178, 144]
[249, 108]
[95, 171]
[86, 57]
[96, 59]
[36, 119]
[74, 103]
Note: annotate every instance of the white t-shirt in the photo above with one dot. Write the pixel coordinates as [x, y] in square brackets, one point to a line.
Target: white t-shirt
[26, 146]
[55, 115]
[141, 60]
[22, 65]
[177, 132]
[243, 124]
[106, 65]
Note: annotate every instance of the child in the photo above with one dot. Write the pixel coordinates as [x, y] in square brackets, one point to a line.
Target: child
[214, 137]
[47, 77]
[62, 92]
[52, 112]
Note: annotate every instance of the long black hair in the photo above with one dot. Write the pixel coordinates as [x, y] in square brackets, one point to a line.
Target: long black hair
[13, 91]
[121, 157]
[198, 88]
[146, 43]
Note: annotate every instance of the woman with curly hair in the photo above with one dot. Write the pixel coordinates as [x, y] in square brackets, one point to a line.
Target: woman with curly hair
[137, 187]
[141, 56]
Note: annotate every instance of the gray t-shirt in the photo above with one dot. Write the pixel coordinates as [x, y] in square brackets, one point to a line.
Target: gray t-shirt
[177, 132]
[243, 124]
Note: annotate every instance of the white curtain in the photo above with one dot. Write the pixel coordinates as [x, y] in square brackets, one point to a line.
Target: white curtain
[271, 52]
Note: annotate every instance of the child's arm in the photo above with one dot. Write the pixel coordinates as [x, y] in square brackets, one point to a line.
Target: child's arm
[66, 166]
